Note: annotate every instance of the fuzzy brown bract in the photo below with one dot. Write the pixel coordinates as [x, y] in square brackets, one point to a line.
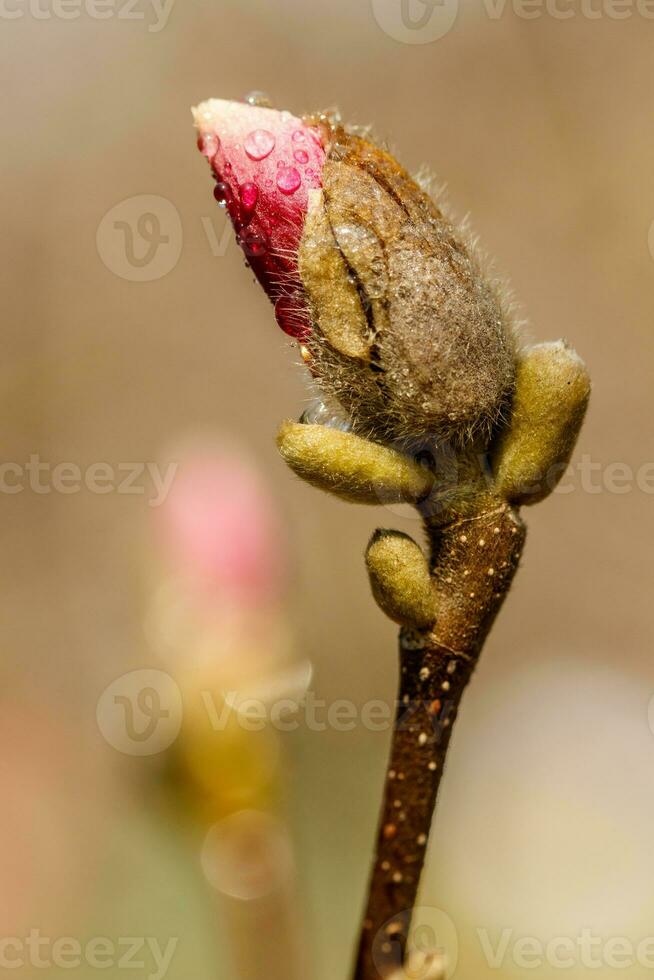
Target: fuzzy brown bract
[409, 336]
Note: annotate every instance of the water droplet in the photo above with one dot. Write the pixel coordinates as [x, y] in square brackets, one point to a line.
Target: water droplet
[222, 193]
[317, 413]
[249, 195]
[253, 244]
[259, 144]
[299, 135]
[288, 180]
[208, 145]
[260, 99]
[290, 317]
[339, 149]
[301, 156]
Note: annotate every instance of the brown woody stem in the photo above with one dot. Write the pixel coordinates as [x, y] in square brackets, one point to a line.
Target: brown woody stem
[473, 563]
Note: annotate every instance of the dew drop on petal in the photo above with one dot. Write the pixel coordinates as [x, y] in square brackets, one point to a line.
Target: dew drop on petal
[208, 145]
[298, 136]
[253, 244]
[222, 193]
[289, 317]
[259, 144]
[301, 156]
[249, 195]
[288, 180]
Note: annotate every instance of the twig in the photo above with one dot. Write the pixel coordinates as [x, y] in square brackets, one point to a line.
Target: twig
[474, 564]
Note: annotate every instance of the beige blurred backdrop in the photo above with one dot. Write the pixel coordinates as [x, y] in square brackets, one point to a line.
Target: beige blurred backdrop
[541, 127]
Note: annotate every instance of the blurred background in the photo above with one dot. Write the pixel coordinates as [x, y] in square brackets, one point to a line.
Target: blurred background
[134, 339]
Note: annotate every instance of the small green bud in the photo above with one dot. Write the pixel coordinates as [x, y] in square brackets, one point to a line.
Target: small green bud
[549, 405]
[400, 580]
[351, 467]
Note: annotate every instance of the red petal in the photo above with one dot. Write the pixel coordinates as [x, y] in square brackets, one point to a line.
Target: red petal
[266, 163]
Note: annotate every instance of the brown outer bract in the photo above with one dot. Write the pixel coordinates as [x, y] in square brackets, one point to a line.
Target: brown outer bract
[431, 349]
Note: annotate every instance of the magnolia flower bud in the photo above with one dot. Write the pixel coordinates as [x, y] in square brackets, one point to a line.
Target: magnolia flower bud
[397, 321]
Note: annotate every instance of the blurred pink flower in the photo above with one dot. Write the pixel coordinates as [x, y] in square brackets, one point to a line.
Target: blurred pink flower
[220, 533]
